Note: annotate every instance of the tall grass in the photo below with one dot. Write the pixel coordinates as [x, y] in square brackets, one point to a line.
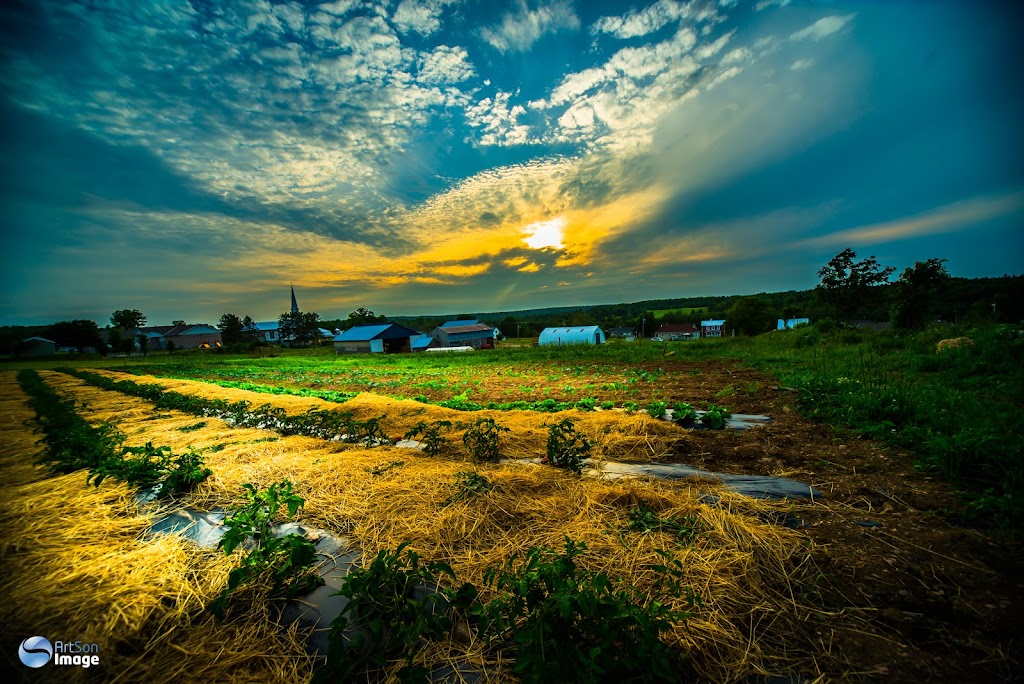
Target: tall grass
[959, 412]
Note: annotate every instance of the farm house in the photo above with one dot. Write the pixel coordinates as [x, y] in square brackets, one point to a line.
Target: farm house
[589, 334]
[389, 338]
[464, 334]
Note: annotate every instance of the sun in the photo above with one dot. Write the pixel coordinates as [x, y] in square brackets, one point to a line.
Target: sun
[545, 234]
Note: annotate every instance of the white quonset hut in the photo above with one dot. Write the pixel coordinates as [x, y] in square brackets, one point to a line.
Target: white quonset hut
[588, 334]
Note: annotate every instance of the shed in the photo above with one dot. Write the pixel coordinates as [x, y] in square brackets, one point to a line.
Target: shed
[589, 334]
[390, 338]
[790, 323]
[37, 346]
[422, 343]
[477, 335]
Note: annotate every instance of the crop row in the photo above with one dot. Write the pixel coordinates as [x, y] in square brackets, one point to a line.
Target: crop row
[72, 443]
[321, 423]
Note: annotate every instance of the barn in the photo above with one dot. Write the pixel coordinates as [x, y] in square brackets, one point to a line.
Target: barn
[588, 334]
[388, 338]
[464, 334]
[37, 346]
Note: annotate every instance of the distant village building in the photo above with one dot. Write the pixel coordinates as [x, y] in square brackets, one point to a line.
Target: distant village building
[712, 328]
[423, 343]
[588, 334]
[679, 331]
[188, 336]
[464, 334]
[389, 338]
[36, 346]
[622, 333]
[790, 323]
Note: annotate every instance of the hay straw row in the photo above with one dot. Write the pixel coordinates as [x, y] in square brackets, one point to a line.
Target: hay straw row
[747, 573]
[78, 564]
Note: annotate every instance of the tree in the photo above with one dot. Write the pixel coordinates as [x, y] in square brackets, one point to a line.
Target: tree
[249, 330]
[847, 284]
[231, 329]
[178, 322]
[299, 328]
[750, 316]
[917, 290]
[114, 338]
[77, 333]
[128, 319]
[144, 345]
[363, 316]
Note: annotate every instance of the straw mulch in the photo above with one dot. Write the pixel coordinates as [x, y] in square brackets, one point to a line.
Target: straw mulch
[615, 434]
[755, 580]
[77, 564]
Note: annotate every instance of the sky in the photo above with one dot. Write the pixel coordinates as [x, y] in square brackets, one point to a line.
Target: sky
[190, 159]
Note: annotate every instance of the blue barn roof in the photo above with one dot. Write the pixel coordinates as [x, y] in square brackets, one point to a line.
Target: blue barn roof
[365, 333]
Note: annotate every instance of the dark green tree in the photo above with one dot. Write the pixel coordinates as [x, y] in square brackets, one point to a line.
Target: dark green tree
[144, 345]
[128, 319]
[363, 316]
[115, 338]
[917, 290]
[77, 333]
[750, 316]
[231, 329]
[849, 285]
[299, 328]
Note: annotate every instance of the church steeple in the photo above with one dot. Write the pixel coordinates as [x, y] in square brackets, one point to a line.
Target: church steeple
[295, 305]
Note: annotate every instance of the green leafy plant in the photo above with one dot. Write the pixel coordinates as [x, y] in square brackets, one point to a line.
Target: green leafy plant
[683, 413]
[469, 485]
[185, 472]
[394, 604]
[287, 560]
[715, 417]
[570, 624]
[607, 405]
[193, 427]
[141, 466]
[379, 470]
[567, 448]
[482, 440]
[657, 408]
[433, 441]
[645, 519]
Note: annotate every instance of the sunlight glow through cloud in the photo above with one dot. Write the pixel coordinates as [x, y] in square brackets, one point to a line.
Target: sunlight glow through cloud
[545, 234]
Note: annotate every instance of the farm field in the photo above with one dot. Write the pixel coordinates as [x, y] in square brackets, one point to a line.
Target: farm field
[882, 582]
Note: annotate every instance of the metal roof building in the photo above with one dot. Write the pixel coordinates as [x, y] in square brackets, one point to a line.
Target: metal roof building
[467, 334]
[385, 337]
[589, 334]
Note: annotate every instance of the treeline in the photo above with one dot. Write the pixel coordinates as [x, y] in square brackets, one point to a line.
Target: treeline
[959, 299]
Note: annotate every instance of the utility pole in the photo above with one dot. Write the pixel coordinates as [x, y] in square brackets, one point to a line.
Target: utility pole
[643, 323]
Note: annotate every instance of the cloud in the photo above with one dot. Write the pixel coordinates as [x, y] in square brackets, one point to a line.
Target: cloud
[498, 123]
[446, 65]
[949, 218]
[822, 28]
[764, 4]
[643, 21]
[420, 16]
[519, 30]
